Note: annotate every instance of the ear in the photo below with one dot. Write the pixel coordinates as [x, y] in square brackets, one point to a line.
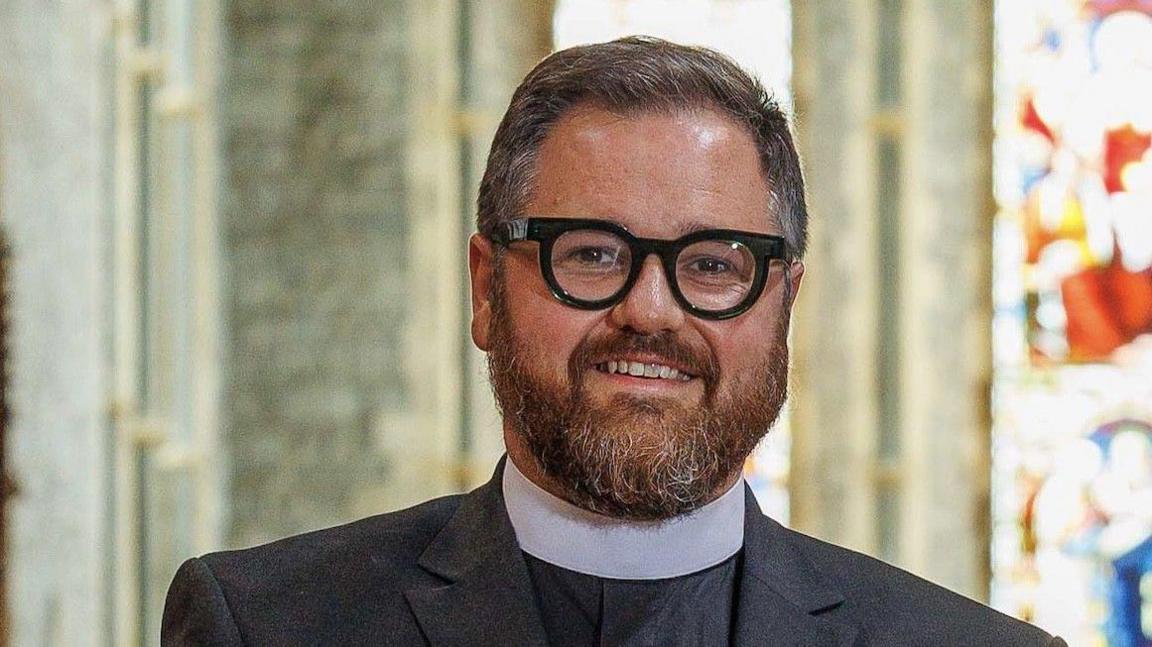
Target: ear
[796, 270]
[480, 269]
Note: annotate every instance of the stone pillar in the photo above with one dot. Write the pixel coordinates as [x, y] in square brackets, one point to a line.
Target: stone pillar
[946, 355]
[893, 328]
[55, 121]
[315, 122]
[352, 137]
[833, 410]
[496, 59]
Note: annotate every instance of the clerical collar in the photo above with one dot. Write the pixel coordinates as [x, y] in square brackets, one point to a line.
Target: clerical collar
[560, 533]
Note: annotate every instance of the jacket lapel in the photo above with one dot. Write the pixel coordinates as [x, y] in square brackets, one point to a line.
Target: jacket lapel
[488, 598]
[782, 597]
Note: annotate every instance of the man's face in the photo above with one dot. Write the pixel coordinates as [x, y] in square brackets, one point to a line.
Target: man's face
[634, 446]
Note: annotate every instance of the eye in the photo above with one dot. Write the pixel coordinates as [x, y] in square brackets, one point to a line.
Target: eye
[591, 256]
[706, 265]
[716, 261]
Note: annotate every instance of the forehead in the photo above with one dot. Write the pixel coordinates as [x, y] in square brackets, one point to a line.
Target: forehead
[660, 174]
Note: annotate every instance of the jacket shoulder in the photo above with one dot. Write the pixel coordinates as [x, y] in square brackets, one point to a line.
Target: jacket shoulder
[891, 604]
[387, 543]
[342, 585]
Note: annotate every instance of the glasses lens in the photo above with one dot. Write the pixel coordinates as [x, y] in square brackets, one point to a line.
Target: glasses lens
[589, 264]
[715, 275]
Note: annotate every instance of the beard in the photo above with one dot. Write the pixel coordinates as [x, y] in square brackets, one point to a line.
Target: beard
[632, 457]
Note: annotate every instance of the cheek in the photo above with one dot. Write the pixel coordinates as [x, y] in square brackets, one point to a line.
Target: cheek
[543, 326]
[745, 343]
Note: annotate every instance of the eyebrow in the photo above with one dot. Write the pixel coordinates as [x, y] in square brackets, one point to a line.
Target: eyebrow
[696, 225]
[693, 227]
[682, 230]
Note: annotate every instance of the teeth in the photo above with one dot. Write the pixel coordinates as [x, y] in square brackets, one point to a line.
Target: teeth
[640, 369]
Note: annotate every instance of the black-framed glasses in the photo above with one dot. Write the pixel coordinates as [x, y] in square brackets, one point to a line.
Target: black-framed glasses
[593, 264]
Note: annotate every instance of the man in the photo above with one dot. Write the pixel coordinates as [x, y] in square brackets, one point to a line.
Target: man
[641, 225]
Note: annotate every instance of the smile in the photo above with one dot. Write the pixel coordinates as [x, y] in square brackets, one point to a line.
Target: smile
[642, 369]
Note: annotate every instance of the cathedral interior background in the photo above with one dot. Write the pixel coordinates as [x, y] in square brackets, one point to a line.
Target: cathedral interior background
[234, 295]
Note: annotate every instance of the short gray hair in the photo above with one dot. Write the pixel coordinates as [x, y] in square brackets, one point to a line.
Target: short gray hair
[634, 75]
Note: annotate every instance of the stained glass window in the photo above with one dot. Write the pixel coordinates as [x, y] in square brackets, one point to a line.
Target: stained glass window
[757, 35]
[1072, 395]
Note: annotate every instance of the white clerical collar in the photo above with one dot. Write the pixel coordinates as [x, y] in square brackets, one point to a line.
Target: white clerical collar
[562, 534]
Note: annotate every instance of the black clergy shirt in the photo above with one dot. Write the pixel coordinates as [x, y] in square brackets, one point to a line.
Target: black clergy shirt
[585, 610]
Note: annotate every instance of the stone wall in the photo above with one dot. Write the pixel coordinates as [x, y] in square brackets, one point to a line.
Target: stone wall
[314, 127]
[353, 138]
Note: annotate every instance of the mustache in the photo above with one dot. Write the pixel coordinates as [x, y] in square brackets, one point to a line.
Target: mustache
[696, 360]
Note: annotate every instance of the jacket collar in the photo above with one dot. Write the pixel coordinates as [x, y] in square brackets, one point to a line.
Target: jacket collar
[488, 597]
[783, 600]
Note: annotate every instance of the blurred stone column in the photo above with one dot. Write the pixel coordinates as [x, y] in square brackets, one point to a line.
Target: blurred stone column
[506, 38]
[893, 329]
[55, 195]
[352, 133]
[314, 120]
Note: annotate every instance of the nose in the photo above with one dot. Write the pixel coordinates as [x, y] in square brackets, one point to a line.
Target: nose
[649, 306]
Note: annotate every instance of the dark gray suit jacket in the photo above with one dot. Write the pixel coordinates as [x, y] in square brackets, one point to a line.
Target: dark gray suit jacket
[449, 572]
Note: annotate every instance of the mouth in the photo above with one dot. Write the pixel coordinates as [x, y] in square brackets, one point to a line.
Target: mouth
[647, 370]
